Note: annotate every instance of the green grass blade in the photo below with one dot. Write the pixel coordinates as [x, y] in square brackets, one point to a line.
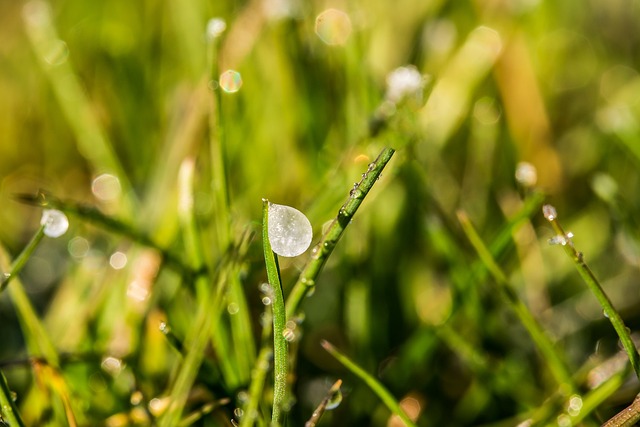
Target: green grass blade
[19, 262]
[594, 286]
[384, 394]
[8, 409]
[543, 342]
[307, 278]
[280, 356]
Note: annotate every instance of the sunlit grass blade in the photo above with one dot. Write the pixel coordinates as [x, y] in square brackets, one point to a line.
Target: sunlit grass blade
[8, 408]
[320, 254]
[24, 256]
[384, 394]
[553, 360]
[592, 282]
[280, 356]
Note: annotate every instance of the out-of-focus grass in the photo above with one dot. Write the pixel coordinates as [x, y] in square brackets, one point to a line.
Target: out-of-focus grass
[126, 89]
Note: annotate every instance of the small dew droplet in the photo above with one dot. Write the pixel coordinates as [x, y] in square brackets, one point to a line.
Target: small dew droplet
[266, 300]
[289, 335]
[233, 308]
[334, 400]
[549, 212]
[55, 223]
[238, 413]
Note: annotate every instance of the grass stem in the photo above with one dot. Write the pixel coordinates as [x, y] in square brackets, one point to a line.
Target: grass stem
[564, 239]
[543, 342]
[8, 409]
[280, 356]
[321, 252]
[19, 262]
[384, 394]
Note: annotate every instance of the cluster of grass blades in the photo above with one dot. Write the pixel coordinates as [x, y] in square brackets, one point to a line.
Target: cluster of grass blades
[435, 295]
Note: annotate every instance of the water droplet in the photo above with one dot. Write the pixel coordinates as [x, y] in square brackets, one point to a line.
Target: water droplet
[243, 396]
[106, 187]
[78, 247]
[266, 300]
[308, 282]
[266, 288]
[230, 81]
[371, 167]
[118, 260]
[136, 397]
[57, 52]
[404, 82]
[526, 174]
[165, 328]
[55, 223]
[158, 405]
[6, 276]
[290, 231]
[605, 314]
[233, 308]
[213, 85]
[215, 27]
[289, 334]
[575, 405]
[234, 423]
[364, 175]
[112, 365]
[238, 413]
[564, 420]
[334, 400]
[549, 212]
[333, 27]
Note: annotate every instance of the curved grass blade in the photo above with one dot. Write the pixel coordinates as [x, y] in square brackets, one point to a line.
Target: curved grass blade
[22, 259]
[375, 386]
[545, 345]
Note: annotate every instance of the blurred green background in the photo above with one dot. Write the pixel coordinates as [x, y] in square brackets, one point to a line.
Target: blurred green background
[101, 102]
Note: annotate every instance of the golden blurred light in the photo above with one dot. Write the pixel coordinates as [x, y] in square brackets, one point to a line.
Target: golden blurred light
[118, 260]
[106, 187]
[333, 26]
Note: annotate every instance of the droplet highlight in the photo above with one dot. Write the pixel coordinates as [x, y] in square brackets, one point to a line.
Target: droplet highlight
[333, 26]
[289, 230]
[55, 223]
[230, 81]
